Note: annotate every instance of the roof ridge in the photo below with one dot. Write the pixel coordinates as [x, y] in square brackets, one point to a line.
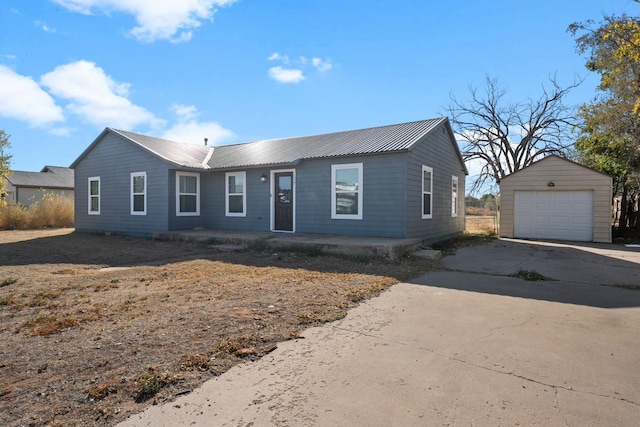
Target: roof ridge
[125, 132]
[339, 132]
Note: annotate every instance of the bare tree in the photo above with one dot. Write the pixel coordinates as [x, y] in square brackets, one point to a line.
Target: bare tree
[507, 136]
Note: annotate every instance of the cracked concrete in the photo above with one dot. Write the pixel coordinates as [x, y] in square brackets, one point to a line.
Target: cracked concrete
[452, 348]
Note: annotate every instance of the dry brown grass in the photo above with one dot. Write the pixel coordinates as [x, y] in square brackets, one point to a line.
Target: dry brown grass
[95, 328]
[481, 224]
[52, 211]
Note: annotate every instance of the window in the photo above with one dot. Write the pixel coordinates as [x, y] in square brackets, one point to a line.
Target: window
[187, 194]
[94, 195]
[454, 196]
[235, 194]
[139, 193]
[346, 191]
[427, 191]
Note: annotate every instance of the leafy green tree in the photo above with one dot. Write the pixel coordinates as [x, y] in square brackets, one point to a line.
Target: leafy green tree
[609, 138]
[5, 163]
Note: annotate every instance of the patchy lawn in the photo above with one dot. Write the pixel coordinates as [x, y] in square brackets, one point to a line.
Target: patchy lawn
[96, 328]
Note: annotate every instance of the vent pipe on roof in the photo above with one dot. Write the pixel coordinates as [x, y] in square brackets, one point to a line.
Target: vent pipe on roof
[206, 140]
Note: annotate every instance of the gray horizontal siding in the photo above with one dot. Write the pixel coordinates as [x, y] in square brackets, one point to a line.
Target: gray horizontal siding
[383, 197]
[258, 199]
[391, 192]
[113, 160]
[435, 151]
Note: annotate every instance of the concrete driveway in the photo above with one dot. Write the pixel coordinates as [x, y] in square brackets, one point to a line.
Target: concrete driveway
[468, 346]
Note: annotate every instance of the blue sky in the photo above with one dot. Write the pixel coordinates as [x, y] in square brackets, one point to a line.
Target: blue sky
[244, 70]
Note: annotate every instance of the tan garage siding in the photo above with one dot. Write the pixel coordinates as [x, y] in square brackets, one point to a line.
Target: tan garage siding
[565, 176]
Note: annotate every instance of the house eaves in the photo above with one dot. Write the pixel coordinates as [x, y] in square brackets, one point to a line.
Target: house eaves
[551, 156]
[287, 151]
[181, 155]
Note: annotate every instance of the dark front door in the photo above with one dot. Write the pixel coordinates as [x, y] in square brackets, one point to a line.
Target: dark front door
[283, 209]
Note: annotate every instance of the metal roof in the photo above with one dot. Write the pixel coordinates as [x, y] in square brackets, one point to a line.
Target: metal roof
[285, 151]
[381, 139]
[48, 177]
[187, 155]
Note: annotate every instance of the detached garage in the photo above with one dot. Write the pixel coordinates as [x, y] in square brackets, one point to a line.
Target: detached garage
[558, 199]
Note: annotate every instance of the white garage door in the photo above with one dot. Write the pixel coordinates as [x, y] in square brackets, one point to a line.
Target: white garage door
[562, 215]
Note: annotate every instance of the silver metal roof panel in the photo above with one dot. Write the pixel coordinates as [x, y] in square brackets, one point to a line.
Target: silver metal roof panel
[398, 137]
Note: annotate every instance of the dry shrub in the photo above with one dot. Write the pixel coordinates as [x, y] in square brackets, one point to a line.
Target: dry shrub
[13, 217]
[231, 344]
[197, 361]
[52, 211]
[151, 381]
[481, 225]
[100, 391]
[478, 211]
[44, 298]
[49, 325]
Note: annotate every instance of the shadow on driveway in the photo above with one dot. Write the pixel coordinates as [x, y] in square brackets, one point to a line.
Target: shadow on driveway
[595, 275]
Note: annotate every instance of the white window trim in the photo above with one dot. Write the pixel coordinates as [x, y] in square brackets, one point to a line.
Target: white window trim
[197, 212]
[144, 193]
[99, 195]
[430, 192]
[335, 168]
[455, 200]
[243, 194]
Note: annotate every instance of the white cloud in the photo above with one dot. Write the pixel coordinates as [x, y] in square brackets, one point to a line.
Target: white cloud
[295, 72]
[157, 20]
[185, 112]
[189, 130]
[95, 96]
[60, 131]
[322, 65]
[23, 99]
[11, 57]
[45, 27]
[286, 75]
[275, 56]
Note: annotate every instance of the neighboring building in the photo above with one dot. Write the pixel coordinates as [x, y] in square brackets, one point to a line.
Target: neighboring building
[555, 198]
[403, 181]
[27, 188]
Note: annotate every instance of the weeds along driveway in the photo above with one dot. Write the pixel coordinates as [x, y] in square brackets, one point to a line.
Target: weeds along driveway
[450, 348]
[94, 328]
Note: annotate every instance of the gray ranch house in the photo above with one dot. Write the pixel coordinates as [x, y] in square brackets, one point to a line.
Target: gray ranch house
[402, 181]
[28, 188]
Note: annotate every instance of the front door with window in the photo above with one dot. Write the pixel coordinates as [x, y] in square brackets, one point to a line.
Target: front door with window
[283, 201]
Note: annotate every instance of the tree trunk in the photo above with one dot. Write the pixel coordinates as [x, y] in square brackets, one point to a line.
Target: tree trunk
[622, 222]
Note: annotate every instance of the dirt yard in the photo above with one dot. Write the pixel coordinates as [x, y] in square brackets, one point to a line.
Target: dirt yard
[96, 328]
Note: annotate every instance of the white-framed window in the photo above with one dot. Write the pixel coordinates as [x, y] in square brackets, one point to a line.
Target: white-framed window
[187, 194]
[346, 191]
[139, 193]
[94, 195]
[454, 196]
[427, 192]
[236, 202]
